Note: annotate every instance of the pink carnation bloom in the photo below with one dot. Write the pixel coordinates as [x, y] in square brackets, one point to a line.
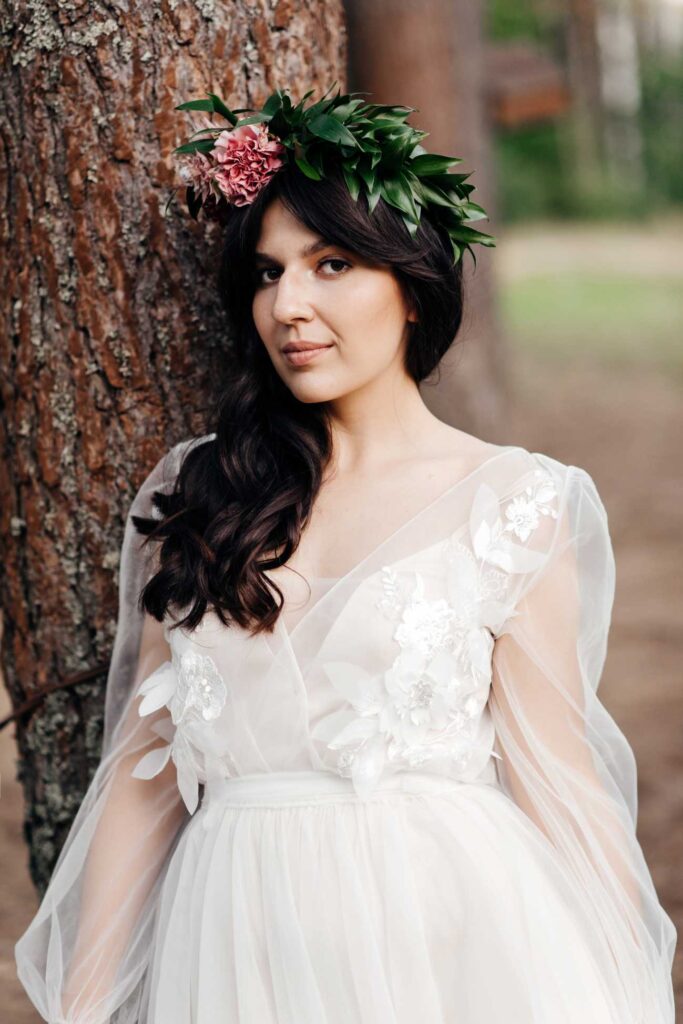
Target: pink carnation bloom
[197, 172]
[245, 158]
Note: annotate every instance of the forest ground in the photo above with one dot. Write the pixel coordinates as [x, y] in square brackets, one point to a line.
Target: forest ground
[595, 356]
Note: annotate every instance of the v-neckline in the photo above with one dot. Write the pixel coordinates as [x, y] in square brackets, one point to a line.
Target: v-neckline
[338, 580]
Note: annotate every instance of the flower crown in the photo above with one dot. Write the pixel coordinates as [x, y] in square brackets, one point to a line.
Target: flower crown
[377, 151]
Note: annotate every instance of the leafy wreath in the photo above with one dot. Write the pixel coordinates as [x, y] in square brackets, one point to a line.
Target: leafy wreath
[377, 151]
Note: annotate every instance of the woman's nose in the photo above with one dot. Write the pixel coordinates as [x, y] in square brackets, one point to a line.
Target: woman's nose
[292, 299]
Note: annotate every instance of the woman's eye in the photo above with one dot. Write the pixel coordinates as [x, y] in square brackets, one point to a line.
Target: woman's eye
[261, 279]
[260, 273]
[334, 259]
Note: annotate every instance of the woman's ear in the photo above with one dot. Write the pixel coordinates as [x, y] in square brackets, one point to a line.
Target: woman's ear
[412, 312]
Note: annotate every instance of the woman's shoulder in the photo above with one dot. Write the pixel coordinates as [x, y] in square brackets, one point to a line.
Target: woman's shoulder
[514, 469]
[174, 457]
[476, 450]
[164, 472]
[529, 459]
[190, 443]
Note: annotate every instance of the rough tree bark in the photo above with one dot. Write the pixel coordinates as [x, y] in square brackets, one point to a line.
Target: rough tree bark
[429, 54]
[111, 330]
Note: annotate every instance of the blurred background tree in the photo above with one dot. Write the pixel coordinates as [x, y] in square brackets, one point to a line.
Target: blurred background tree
[616, 151]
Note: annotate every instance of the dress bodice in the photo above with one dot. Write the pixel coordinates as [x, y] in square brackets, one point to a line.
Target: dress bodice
[386, 668]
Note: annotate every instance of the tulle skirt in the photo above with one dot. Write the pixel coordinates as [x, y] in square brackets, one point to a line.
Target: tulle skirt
[289, 900]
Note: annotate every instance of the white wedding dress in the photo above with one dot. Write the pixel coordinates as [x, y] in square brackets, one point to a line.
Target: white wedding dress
[405, 804]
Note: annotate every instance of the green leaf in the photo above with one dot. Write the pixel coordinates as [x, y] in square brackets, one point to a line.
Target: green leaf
[432, 163]
[457, 251]
[395, 147]
[366, 174]
[220, 108]
[307, 168]
[374, 194]
[431, 195]
[205, 105]
[331, 130]
[465, 234]
[472, 211]
[201, 146]
[297, 113]
[411, 225]
[330, 89]
[398, 194]
[353, 182]
[205, 133]
[408, 191]
[254, 119]
[273, 104]
[447, 181]
[344, 110]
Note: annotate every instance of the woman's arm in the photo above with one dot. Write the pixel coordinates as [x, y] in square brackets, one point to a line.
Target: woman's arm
[564, 760]
[129, 849]
[86, 953]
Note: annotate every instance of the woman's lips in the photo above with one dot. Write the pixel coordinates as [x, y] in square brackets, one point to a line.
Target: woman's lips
[303, 356]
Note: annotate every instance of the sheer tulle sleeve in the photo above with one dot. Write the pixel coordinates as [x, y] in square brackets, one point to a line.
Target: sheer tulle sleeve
[563, 759]
[83, 958]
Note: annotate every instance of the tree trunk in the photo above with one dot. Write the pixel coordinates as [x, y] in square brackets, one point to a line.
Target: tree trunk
[111, 335]
[621, 95]
[428, 54]
[583, 60]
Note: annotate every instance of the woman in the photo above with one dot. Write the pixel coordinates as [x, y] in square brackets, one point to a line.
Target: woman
[354, 770]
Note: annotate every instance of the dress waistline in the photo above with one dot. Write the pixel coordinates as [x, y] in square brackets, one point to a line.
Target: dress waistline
[278, 788]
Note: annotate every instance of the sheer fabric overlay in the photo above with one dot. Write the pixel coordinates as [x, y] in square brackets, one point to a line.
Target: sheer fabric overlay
[86, 952]
[436, 794]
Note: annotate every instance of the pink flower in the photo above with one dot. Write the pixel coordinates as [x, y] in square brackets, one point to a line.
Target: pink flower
[246, 157]
[197, 172]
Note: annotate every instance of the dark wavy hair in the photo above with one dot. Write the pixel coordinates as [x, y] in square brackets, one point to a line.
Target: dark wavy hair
[242, 499]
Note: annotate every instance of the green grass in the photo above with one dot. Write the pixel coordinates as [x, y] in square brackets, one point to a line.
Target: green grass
[614, 318]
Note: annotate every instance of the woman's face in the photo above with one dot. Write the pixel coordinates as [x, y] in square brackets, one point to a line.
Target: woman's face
[309, 291]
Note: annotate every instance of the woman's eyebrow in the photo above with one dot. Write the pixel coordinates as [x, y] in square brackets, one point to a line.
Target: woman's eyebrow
[308, 250]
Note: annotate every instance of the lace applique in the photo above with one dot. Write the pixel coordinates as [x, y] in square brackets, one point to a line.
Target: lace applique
[195, 693]
[523, 511]
[390, 602]
[429, 705]
[425, 625]
[488, 531]
[424, 708]
[200, 689]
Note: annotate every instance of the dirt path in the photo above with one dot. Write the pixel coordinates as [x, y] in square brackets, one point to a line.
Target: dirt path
[624, 427]
[646, 250]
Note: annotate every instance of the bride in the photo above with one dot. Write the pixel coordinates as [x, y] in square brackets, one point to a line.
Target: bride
[354, 769]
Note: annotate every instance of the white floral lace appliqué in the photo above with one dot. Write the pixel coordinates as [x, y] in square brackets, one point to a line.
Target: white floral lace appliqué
[428, 705]
[195, 693]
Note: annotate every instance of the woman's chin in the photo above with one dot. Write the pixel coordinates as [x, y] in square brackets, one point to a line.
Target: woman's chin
[311, 393]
